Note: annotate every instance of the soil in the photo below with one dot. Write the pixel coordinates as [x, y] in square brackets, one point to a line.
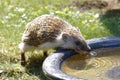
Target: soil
[103, 5]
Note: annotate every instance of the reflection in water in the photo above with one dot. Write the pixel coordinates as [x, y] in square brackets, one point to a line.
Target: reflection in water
[104, 66]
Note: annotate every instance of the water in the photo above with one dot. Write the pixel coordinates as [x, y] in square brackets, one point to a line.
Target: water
[103, 66]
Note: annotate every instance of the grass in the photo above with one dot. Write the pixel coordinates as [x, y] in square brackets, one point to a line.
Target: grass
[14, 14]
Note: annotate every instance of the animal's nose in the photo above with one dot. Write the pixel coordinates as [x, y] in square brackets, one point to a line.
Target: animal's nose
[88, 50]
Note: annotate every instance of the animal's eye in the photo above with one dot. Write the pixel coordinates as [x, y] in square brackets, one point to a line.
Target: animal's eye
[77, 43]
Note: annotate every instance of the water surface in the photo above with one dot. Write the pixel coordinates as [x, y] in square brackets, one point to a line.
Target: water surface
[105, 66]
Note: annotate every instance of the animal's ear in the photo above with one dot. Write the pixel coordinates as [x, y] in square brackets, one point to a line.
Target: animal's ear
[65, 36]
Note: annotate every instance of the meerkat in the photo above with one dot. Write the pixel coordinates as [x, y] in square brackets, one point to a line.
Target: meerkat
[50, 32]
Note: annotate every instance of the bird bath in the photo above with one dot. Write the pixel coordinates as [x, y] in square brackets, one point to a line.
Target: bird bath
[65, 64]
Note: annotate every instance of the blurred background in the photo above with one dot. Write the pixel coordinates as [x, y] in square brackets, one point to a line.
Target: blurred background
[95, 18]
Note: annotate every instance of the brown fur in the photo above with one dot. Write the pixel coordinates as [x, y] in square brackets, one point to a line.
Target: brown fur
[46, 28]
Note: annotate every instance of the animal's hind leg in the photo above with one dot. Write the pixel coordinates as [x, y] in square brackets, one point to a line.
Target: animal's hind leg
[23, 59]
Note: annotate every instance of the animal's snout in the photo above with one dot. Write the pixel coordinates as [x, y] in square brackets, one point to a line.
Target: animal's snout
[86, 48]
[89, 49]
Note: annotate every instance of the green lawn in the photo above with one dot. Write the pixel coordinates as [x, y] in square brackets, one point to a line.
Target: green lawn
[15, 14]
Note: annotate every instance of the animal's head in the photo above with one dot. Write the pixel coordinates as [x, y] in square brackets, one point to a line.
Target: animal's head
[75, 42]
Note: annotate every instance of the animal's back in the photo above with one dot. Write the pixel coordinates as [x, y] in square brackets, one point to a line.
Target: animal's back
[44, 29]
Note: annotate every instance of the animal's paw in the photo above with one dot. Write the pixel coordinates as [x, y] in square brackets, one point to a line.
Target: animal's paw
[23, 63]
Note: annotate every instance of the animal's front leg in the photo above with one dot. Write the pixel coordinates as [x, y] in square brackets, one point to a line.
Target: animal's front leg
[45, 53]
[23, 59]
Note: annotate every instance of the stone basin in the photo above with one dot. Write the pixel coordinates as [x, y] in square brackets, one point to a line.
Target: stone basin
[53, 63]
